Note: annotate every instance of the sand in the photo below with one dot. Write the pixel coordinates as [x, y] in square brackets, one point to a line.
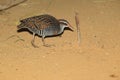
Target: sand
[96, 58]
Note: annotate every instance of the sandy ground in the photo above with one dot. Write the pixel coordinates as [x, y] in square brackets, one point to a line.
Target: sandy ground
[97, 57]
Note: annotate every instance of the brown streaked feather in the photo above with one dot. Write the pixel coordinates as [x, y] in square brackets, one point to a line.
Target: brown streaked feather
[41, 22]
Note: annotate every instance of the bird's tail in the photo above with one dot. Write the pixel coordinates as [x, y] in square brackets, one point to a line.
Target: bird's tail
[22, 25]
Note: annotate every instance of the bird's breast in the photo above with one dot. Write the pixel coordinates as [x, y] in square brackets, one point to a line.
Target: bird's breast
[50, 31]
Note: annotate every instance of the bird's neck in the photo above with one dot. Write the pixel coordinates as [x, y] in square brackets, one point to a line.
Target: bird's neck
[61, 28]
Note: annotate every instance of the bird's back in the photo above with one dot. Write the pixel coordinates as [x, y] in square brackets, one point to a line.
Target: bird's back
[43, 24]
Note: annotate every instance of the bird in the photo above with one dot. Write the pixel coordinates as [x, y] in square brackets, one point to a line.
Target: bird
[44, 25]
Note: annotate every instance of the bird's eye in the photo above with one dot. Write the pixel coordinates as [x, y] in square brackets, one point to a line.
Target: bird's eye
[63, 23]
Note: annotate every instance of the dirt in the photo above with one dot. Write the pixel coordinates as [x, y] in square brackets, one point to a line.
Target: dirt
[96, 58]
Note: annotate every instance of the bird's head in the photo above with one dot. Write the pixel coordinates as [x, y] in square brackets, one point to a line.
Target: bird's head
[65, 24]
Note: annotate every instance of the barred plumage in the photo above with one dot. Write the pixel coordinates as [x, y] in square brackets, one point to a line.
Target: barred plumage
[44, 25]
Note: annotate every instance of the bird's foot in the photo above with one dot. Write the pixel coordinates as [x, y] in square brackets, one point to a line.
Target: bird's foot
[35, 46]
[47, 45]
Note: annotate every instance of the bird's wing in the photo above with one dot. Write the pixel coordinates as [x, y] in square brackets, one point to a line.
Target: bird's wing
[40, 22]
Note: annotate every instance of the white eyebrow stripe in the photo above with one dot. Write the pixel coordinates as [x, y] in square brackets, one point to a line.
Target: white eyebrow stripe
[63, 22]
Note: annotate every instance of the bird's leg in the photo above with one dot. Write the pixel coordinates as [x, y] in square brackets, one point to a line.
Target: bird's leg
[33, 40]
[43, 40]
[46, 45]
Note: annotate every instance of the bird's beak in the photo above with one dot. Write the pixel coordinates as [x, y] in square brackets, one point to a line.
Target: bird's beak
[71, 27]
